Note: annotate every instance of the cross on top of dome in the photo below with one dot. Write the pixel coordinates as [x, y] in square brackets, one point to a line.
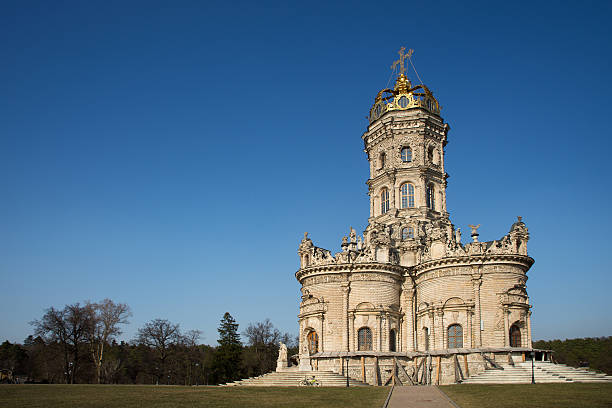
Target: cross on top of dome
[403, 96]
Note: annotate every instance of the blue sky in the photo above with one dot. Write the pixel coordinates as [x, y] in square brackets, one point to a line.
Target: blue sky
[170, 155]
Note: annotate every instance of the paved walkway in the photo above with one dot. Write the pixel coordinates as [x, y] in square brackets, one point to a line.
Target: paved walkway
[419, 396]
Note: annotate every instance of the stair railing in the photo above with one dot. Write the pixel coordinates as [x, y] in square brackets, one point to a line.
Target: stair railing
[492, 362]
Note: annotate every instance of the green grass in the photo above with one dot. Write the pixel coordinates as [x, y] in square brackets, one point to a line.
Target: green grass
[531, 396]
[148, 396]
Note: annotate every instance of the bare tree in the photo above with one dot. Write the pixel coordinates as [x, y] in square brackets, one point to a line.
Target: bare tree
[263, 339]
[190, 342]
[108, 315]
[69, 328]
[159, 334]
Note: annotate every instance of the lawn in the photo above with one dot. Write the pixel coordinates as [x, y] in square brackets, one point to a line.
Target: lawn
[148, 396]
[531, 396]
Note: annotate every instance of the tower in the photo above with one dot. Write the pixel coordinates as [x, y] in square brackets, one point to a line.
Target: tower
[404, 144]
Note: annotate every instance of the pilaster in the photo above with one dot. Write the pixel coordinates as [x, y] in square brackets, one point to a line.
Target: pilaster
[476, 283]
[346, 288]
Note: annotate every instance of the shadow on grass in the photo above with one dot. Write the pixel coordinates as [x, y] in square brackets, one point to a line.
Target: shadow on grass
[571, 395]
[140, 396]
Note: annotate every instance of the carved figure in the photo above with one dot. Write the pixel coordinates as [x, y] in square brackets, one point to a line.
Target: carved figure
[282, 352]
[458, 236]
[353, 235]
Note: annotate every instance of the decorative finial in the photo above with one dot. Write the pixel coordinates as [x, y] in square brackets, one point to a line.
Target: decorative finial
[474, 232]
[400, 61]
[520, 219]
[306, 235]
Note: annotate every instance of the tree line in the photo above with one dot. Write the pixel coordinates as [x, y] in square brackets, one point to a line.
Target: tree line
[595, 353]
[78, 344]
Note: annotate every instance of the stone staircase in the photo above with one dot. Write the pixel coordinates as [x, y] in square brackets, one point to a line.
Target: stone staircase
[544, 372]
[293, 378]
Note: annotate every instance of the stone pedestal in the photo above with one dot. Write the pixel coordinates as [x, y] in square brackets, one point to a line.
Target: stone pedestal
[304, 364]
[282, 365]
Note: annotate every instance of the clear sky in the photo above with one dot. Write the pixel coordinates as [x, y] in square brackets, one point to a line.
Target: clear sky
[170, 155]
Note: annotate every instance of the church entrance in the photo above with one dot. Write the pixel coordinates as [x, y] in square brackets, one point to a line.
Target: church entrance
[313, 342]
[515, 336]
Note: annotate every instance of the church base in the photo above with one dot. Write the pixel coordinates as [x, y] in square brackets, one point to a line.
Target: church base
[432, 368]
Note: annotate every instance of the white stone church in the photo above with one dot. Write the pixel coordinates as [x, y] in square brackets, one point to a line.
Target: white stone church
[410, 297]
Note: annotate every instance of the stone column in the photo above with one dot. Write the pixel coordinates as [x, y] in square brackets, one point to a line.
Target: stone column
[353, 345]
[423, 185]
[443, 196]
[378, 334]
[321, 338]
[371, 194]
[387, 337]
[432, 331]
[408, 292]
[394, 195]
[442, 337]
[346, 288]
[399, 335]
[529, 329]
[506, 327]
[470, 328]
[476, 282]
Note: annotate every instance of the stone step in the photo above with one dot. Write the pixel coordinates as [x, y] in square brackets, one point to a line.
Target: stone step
[293, 378]
[544, 372]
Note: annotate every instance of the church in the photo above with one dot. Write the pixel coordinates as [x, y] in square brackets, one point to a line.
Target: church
[411, 300]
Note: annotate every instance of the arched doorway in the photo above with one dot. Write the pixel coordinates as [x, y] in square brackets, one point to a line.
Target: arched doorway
[515, 336]
[313, 342]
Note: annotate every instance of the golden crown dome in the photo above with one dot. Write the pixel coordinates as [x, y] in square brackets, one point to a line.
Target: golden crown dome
[403, 96]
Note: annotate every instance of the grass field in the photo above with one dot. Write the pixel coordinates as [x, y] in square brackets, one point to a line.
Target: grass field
[531, 396]
[147, 396]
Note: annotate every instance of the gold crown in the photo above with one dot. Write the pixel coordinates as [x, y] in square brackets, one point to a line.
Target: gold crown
[403, 96]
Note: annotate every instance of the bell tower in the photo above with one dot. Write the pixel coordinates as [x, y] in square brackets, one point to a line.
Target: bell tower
[404, 144]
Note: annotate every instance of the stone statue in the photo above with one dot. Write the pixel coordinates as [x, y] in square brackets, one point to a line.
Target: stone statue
[458, 236]
[282, 362]
[359, 243]
[282, 351]
[353, 235]
[344, 241]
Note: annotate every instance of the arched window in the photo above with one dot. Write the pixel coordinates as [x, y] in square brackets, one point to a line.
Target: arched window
[426, 338]
[515, 336]
[382, 160]
[406, 155]
[364, 339]
[384, 201]
[430, 155]
[392, 340]
[313, 342]
[455, 336]
[407, 193]
[431, 202]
